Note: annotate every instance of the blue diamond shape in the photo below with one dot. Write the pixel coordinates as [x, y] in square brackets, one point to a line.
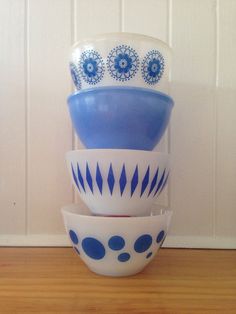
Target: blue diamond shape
[81, 181]
[145, 181]
[89, 178]
[164, 183]
[123, 180]
[134, 181]
[74, 177]
[99, 179]
[110, 179]
[154, 181]
[160, 182]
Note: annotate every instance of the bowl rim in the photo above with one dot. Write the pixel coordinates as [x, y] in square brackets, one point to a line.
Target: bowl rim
[95, 151]
[121, 89]
[117, 35]
[158, 211]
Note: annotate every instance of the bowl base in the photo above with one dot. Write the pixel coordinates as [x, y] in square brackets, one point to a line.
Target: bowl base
[114, 273]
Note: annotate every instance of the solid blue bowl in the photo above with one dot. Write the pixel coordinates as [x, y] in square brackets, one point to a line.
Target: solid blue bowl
[120, 117]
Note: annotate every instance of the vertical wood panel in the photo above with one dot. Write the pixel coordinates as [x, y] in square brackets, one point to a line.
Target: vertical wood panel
[96, 17]
[197, 148]
[50, 134]
[192, 131]
[12, 117]
[150, 18]
[226, 133]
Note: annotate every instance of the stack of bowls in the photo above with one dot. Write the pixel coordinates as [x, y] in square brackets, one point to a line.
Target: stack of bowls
[120, 112]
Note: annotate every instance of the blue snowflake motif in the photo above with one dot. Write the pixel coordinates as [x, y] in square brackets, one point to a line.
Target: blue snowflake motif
[153, 67]
[122, 63]
[75, 75]
[91, 67]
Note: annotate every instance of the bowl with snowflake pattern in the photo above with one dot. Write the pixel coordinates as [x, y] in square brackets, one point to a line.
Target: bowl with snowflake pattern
[120, 59]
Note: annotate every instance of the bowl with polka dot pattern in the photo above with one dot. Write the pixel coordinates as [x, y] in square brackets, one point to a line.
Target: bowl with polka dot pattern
[116, 246]
[118, 182]
[120, 59]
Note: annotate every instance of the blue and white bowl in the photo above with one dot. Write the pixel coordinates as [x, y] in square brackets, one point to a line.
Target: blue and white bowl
[120, 117]
[116, 246]
[118, 182]
[120, 59]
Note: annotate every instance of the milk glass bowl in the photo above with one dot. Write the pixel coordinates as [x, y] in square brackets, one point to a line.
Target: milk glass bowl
[120, 59]
[118, 182]
[120, 117]
[116, 246]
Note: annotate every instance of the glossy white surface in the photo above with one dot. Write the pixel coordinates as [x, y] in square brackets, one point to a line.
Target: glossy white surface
[139, 239]
[118, 182]
[122, 59]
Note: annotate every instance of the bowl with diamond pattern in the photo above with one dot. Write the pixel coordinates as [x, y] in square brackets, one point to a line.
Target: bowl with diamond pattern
[120, 59]
[118, 182]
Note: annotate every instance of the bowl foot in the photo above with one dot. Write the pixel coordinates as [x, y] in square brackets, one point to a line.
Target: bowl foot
[115, 273]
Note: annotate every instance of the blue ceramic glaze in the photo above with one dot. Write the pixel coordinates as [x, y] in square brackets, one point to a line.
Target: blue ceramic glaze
[120, 117]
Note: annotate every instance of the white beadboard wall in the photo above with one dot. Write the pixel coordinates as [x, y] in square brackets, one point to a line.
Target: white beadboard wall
[35, 129]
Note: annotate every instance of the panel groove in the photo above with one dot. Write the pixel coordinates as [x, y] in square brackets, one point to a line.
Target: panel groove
[215, 113]
[26, 116]
[169, 40]
[73, 21]
[226, 127]
[73, 40]
[121, 15]
[76, 144]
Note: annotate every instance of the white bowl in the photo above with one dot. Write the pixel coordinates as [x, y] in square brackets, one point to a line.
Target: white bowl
[115, 246]
[118, 181]
[120, 59]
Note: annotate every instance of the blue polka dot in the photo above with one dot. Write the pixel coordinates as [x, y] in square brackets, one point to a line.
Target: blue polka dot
[77, 251]
[73, 237]
[116, 243]
[143, 243]
[160, 236]
[124, 257]
[149, 255]
[93, 248]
